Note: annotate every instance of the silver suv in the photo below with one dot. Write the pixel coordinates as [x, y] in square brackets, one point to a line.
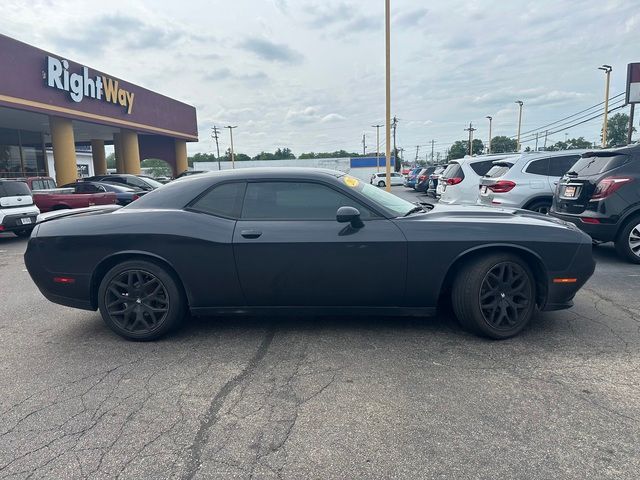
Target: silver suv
[527, 180]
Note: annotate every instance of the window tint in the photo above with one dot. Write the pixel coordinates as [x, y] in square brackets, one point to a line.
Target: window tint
[14, 189]
[595, 164]
[539, 167]
[482, 167]
[558, 166]
[37, 184]
[48, 184]
[453, 170]
[498, 170]
[224, 200]
[295, 201]
[86, 188]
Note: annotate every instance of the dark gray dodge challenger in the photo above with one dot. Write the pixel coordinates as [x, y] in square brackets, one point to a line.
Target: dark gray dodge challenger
[309, 241]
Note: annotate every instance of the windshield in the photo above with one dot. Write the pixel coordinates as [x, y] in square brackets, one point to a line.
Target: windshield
[152, 182]
[379, 196]
[594, 165]
[14, 189]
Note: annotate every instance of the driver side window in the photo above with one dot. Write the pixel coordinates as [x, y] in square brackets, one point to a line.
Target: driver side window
[296, 201]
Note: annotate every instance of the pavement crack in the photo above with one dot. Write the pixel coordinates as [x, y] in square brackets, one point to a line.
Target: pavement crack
[211, 416]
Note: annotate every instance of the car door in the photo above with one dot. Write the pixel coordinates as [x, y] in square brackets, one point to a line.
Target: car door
[291, 251]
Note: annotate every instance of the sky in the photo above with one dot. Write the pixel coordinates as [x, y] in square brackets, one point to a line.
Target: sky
[309, 74]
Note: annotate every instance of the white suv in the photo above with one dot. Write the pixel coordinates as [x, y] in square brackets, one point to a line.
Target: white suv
[458, 184]
[17, 211]
[527, 180]
[380, 179]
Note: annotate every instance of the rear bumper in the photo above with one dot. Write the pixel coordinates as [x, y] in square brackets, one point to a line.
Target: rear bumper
[12, 223]
[603, 232]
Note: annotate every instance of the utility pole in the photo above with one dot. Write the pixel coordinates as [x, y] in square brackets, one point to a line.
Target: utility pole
[470, 130]
[387, 41]
[432, 144]
[536, 141]
[394, 125]
[233, 159]
[377, 127]
[520, 103]
[630, 131]
[214, 135]
[607, 70]
[415, 163]
[490, 122]
[364, 145]
[546, 132]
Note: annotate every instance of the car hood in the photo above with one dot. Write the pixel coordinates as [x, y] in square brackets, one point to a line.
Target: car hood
[484, 214]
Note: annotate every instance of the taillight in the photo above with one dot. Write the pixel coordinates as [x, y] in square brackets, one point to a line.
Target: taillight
[502, 186]
[135, 197]
[66, 280]
[608, 186]
[454, 180]
[589, 220]
[422, 177]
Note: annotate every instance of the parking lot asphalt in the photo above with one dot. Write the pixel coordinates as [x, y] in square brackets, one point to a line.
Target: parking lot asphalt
[322, 397]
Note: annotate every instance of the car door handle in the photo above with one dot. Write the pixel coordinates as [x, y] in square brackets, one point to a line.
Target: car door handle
[250, 233]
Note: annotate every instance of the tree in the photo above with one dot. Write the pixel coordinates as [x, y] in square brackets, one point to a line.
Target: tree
[461, 148]
[502, 144]
[579, 142]
[156, 167]
[111, 160]
[617, 128]
[457, 150]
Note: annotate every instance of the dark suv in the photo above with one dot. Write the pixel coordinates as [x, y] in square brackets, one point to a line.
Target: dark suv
[601, 195]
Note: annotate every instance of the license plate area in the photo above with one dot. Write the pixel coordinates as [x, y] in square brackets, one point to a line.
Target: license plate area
[570, 191]
[26, 221]
[483, 190]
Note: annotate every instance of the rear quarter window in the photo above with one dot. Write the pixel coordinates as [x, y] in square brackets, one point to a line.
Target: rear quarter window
[453, 170]
[539, 167]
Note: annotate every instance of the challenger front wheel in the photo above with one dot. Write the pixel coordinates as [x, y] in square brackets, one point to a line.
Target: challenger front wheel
[494, 296]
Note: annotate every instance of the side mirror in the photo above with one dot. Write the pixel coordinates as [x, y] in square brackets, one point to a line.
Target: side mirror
[349, 215]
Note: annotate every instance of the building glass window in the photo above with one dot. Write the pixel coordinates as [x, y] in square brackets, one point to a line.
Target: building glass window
[21, 154]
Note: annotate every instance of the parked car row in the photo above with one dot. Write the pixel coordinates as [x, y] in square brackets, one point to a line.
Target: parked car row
[598, 191]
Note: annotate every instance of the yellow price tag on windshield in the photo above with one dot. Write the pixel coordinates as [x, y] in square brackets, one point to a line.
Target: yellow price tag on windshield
[351, 181]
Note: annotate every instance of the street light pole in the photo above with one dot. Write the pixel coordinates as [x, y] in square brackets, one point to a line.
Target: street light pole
[520, 103]
[387, 29]
[607, 70]
[377, 127]
[490, 121]
[233, 160]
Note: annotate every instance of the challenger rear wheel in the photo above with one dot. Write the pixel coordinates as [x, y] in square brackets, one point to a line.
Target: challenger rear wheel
[494, 296]
[628, 241]
[140, 300]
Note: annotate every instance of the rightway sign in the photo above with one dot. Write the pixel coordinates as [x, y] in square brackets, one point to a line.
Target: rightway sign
[633, 83]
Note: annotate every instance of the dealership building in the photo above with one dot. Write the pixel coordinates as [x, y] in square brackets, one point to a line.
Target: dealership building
[49, 103]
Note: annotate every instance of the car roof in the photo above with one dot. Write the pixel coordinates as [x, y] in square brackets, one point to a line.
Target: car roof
[262, 172]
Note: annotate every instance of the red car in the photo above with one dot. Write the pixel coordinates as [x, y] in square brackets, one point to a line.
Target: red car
[48, 197]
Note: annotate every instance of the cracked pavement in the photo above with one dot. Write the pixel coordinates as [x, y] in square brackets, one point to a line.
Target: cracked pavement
[323, 397]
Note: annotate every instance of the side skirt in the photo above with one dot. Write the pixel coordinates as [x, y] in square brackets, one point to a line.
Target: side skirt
[302, 311]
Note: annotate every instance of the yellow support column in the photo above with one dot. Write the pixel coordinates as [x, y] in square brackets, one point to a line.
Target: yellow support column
[64, 150]
[117, 150]
[181, 156]
[99, 158]
[130, 151]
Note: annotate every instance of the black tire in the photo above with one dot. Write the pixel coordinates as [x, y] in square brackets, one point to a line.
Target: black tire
[381, 184]
[540, 206]
[479, 293]
[159, 304]
[628, 241]
[23, 233]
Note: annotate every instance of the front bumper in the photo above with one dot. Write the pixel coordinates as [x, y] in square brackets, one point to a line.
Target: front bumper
[560, 295]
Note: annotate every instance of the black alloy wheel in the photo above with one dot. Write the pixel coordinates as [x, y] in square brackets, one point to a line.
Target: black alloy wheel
[628, 241]
[139, 300]
[504, 295]
[494, 295]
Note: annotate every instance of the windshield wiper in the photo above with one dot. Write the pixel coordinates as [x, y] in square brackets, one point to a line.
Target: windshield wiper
[414, 210]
